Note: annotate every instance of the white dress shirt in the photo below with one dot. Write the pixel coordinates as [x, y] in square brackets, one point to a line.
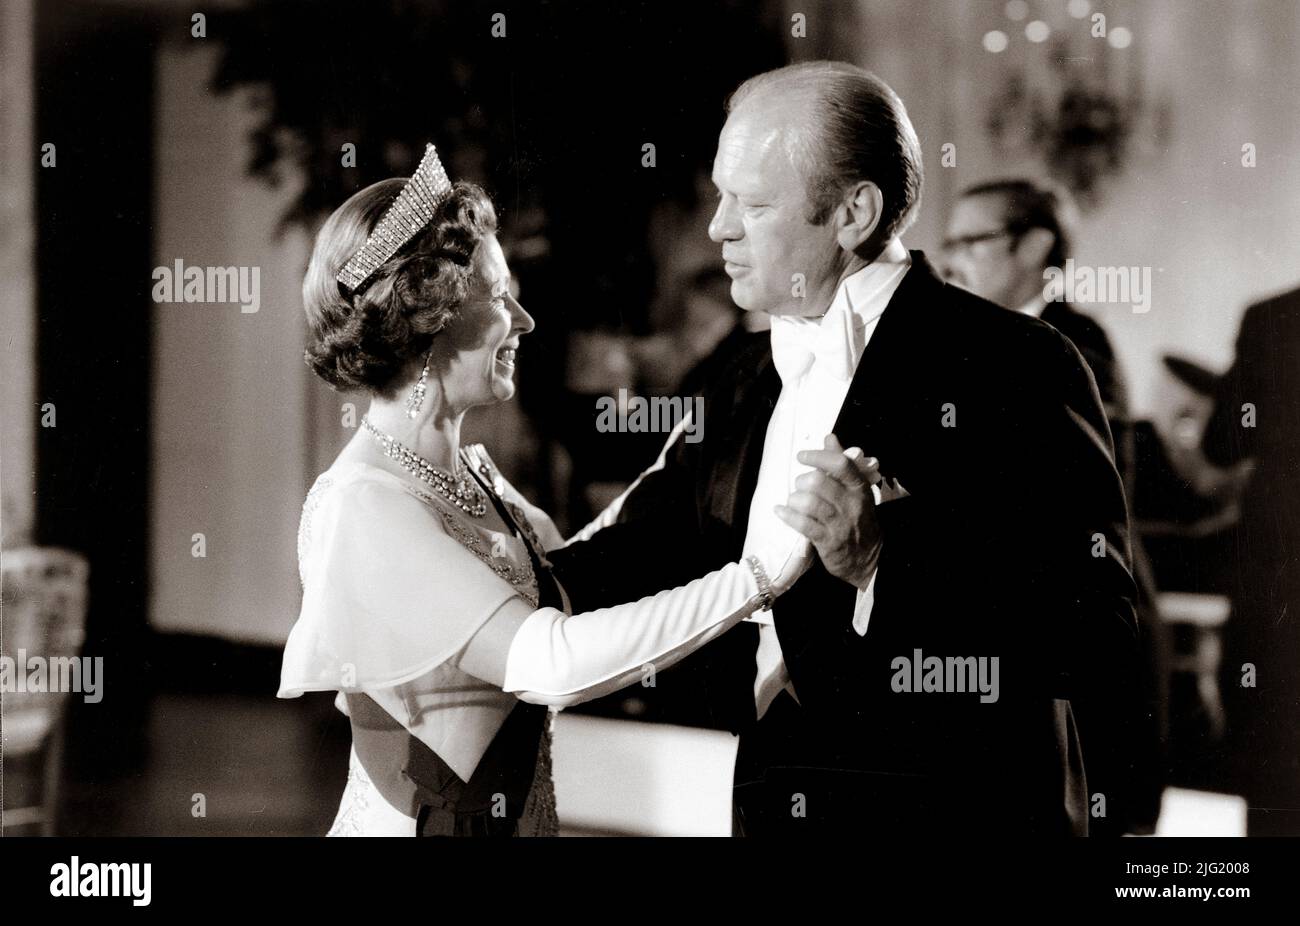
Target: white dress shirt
[816, 359]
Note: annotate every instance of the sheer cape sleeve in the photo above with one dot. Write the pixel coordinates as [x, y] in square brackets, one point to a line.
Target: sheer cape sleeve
[388, 595]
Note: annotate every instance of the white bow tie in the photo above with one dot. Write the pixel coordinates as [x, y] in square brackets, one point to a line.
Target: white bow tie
[833, 343]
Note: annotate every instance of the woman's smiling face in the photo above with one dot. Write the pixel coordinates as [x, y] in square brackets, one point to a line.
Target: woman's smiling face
[477, 361]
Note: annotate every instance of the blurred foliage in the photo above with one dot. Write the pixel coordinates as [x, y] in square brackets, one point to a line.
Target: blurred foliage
[551, 118]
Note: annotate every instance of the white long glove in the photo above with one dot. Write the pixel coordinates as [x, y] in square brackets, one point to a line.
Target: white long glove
[561, 659]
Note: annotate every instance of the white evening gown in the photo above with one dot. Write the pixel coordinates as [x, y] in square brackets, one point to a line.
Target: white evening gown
[395, 583]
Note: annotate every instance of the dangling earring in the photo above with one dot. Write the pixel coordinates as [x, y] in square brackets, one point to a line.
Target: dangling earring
[417, 391]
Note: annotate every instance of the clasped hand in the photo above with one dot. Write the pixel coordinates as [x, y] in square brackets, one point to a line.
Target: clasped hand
[833, 507]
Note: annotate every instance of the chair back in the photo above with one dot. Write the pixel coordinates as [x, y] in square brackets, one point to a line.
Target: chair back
[42, 614]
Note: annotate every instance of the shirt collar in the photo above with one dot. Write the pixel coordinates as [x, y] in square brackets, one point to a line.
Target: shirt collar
[837, 340]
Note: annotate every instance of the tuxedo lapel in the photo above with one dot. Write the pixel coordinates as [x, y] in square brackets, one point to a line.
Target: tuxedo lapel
[880, 383]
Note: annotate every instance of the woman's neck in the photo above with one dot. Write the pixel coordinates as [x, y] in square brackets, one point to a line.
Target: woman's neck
[434, 434]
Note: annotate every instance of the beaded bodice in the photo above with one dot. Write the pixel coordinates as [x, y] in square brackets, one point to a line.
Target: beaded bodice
[503, 553]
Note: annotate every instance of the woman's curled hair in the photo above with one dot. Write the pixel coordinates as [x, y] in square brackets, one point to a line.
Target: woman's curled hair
[365, 339]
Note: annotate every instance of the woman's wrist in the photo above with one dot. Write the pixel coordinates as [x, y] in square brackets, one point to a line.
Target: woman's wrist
[765, 594]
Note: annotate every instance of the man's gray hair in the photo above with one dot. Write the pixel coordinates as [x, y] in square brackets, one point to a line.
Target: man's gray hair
[860, 131]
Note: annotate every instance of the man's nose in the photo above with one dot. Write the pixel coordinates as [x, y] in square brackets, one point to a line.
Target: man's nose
[725, 225]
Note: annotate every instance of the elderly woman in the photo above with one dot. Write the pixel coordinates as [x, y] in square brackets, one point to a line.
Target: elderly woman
[427, 600]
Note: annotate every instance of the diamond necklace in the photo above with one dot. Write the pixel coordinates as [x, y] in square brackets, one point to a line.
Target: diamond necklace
[461, 492]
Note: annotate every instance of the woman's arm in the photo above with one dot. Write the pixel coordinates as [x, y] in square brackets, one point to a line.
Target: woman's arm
[547, 657]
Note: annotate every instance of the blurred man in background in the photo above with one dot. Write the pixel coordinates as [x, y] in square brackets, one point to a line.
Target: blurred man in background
[1001, 236]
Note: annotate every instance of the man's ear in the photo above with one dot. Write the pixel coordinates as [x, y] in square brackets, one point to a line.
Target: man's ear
[858, 215]
[1034, 246]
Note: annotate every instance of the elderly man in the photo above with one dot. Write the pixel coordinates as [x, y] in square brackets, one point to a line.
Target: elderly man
[949, 461]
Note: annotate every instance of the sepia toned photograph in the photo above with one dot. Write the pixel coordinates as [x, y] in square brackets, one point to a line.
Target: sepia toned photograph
[871, 420]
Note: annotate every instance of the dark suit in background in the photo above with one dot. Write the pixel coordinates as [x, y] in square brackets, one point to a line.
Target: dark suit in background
[993, 423]
[1264, 720]
[1091, 340]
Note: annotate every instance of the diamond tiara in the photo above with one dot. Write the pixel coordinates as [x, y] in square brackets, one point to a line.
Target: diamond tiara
[409, 213]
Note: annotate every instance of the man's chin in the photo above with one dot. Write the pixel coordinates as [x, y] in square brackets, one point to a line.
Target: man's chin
[745, 298]
[741, 296]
